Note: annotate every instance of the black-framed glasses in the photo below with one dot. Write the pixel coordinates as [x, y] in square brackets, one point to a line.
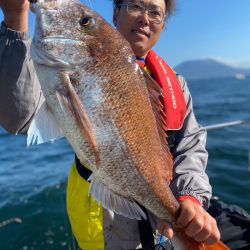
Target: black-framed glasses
[136, 9]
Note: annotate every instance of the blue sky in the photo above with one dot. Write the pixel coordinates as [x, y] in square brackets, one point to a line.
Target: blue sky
[199, 29]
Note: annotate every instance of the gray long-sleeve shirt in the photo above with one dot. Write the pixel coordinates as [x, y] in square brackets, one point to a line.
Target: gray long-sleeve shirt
[20, 96]
[20, 91]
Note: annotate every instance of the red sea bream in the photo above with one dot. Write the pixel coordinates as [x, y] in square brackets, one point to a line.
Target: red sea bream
[96, 96]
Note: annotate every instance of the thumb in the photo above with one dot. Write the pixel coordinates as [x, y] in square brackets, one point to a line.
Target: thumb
[165, 229]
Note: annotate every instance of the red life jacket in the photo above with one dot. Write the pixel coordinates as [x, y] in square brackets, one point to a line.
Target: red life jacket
[173, 100]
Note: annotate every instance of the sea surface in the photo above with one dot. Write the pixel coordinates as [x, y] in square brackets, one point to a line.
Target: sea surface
[33, 180]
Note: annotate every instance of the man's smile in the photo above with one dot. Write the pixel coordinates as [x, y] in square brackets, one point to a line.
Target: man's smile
[141, 32]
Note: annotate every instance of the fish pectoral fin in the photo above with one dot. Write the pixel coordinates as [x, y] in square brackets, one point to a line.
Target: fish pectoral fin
[44, 127]
[71, 103]
[217, 246]
[114, 202]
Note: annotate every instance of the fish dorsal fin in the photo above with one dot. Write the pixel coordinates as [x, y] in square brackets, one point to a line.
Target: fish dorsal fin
[114, 202]
[155, 94]
[44, 127]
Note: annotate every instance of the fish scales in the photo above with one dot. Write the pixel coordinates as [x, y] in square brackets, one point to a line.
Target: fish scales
[117, 88]
[97, 95]
[123, 97]
[114, 100]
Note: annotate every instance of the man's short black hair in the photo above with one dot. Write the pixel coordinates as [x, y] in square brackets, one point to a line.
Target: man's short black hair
[170, 6]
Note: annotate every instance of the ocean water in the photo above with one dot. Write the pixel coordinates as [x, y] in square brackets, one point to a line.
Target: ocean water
[33, 180]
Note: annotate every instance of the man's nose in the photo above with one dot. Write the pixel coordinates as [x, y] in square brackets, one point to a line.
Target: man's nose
[144, 18]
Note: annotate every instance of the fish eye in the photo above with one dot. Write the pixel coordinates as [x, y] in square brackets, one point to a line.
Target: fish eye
[87, 22]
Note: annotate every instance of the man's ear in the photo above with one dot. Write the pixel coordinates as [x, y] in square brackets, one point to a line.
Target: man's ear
[115, 15]
[164, 25]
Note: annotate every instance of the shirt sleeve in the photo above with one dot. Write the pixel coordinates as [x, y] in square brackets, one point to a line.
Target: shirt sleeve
[190, 156]
[20, 91]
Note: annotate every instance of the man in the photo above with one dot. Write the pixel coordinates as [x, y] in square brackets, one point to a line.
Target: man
[142, 32]
[141, 23]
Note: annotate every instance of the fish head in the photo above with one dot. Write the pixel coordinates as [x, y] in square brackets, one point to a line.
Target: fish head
[69, 33]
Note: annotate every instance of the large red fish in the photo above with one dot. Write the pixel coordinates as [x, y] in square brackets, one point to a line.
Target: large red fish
[97, 95]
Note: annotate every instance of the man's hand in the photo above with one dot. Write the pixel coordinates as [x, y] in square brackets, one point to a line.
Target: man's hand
[15, 14]
[14, 5]
[195, 222]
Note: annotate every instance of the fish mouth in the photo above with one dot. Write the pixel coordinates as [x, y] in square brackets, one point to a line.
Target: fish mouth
[49, 39]
[54, 57]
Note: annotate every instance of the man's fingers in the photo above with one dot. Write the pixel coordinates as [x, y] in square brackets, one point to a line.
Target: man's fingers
[215, 235]
[202, 232]
[197, 225]
[203, 229]
[186, 215]
[166, 230]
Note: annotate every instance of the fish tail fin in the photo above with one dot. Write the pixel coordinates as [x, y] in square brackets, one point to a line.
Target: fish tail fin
[201, 246]
[217, 246]
[190, 244]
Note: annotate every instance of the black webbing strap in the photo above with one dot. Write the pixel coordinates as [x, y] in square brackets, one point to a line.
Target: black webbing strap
[144, 226]
[146, 233]
[82, 170]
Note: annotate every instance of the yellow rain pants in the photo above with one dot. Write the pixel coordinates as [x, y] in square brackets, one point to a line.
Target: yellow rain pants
[84, 213]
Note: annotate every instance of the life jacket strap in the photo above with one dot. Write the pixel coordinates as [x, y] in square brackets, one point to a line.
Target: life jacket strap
[82, 170]
[145, 230]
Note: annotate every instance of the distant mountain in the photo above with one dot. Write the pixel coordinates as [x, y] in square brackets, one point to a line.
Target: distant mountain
[207, 68]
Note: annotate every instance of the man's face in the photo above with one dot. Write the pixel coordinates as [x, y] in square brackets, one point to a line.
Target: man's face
[139, 29]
